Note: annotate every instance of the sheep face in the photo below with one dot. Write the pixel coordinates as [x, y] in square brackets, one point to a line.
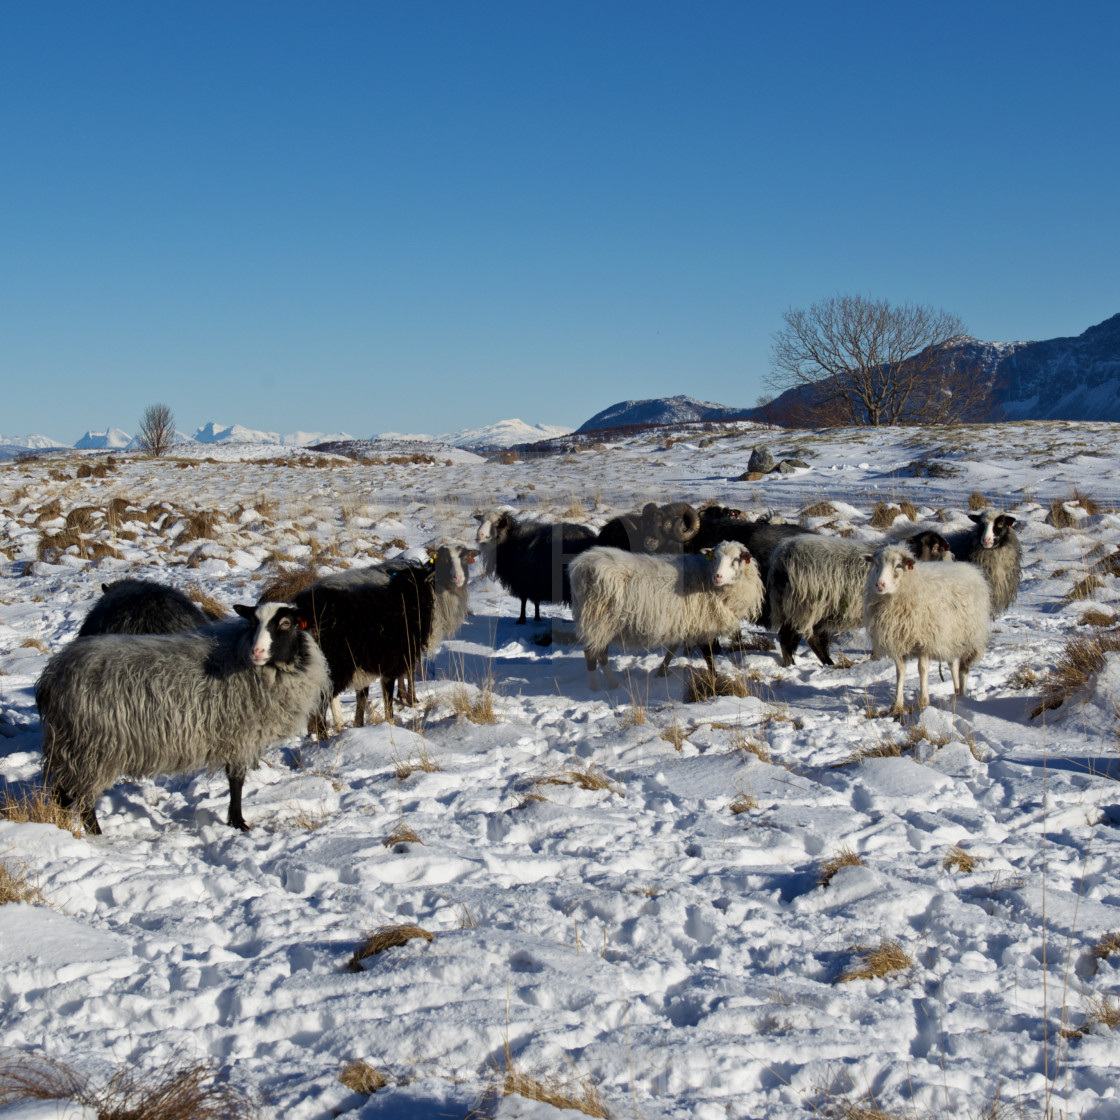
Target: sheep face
[992, 528]
[276, 640]
[928, 545]
[728, 562]
[452, 564]
[888, 568]
[493, 526]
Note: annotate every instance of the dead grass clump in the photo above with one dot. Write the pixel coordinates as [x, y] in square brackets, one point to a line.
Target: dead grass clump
[675, 735]
[743, 803]
[742, 743]
[286, 584]
[361, 1077]
[178, 1091]
[1082, 659]
[884, 748]
[1095, 617]
[1059, 516]
[1022, 678]
[1101, 1010]
[83, 518]
[37, 806]
[1084, 588]
[199, 524]
[1089, 505]
[15, 886]
[977, 501]
[704, 684]
[843, 858]
[420, 760]
[883, 515]
[1108, 944]
[48, 511]
[474, 704]
[819, 509]
[210, 606]
[34, 643]
[879, 960]
[908, 509]
[386, 937]
[402, 834]
[586, 777]
[582, 1096]
[957, 859]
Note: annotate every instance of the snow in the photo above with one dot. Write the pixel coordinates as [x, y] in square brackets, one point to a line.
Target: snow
[681, 956]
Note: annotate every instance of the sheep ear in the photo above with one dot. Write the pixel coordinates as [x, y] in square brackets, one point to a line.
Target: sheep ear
[472, 555]
[868, 557]
[244, 611]
[910, 563]
[975, 517]
[479, 517]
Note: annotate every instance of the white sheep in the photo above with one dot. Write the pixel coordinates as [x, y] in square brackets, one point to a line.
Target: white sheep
[925, 610]
[660, 601]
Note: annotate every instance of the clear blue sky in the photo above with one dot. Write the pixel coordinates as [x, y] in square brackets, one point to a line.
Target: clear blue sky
[420, 215]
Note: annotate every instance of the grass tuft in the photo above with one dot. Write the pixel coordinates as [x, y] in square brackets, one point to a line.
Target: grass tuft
[474, 704]
[703, 684]
[586, 777]
[879, 960]
[957, 859]
[387, 937]
[177, 1091]
[361, 1077]
[15, 885]
[37, 806]
[1079, 662]
[843, 858]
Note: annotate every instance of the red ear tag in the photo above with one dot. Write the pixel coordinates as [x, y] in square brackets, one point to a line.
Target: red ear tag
[302, 622]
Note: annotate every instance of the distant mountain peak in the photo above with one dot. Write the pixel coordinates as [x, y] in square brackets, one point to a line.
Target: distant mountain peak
[660, 410]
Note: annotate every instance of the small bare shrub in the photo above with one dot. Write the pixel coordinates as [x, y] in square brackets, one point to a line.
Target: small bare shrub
[879, 960]
[386, 937]
[843, 858]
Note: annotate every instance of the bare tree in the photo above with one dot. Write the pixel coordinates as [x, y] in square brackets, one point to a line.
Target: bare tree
[157, 429]
[866, 362]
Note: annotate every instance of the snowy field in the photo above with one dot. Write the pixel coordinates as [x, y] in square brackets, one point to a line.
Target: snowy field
[662, 934]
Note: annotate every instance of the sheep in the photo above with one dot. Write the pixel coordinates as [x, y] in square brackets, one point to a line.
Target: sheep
[147, 704]
[815, 584]
[653, 601]
[531, 561]
[450, 572]
[655, 529]
[141, 606]
[925, 610]
[371, 623]
[993, 546]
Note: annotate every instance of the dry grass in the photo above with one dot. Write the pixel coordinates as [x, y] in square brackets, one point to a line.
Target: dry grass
[210, 606]
[417, 760]
[1095, 617]
[703, 684]
[878, 960]
[576, 1093]
[675, 735]
[361, 1077]
[287, 583]
[586, 777]
[843, 858]
[474, 703]
[15, 885]
[386, 937]
[1108, 944]
[37, 806]
[819, 509]
[1101, 1010]
[884, 748]
[977, 501]
[177, 1091]
[1082, 659]
[743, 803]
[402, 834]
[1022, 678]
[957, 859]
[1084, 588]
[742, 743]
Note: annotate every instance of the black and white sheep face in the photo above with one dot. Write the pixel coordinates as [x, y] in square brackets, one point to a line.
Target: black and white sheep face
[993, 527]
[929, 546]
[728, 562]
[492, 526]
[452, 564]
[276, 639]
[889, 567]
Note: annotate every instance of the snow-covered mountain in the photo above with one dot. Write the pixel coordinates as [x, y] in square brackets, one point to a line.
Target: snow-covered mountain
[660, 410]
[110, 438]
[12, 446]
[505, 433]
[213, 432]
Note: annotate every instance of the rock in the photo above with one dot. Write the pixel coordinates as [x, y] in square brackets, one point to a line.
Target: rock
[761, 461]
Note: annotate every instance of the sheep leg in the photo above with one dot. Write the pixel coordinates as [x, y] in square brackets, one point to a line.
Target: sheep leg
[522, 619]
[818, 643]
[899, 677]
[361, 706]
[336, 713]
[65, 800]
[536, 611]
[236, 782]
[789, 639]
[923, 681]
[387, 696]
[663, 669]
[709, 650]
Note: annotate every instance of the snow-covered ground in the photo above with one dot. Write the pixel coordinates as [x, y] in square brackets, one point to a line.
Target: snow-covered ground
[665, 936]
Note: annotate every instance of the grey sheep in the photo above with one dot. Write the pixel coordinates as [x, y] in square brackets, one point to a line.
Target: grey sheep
[657, 529]
[925, 610]
[815, 587]
[993, 546]
[660, 601]
[142, 705]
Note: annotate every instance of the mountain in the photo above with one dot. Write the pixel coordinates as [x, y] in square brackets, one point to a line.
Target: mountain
[492, 437]
[661, 410]
[111, 438]
[235, 433]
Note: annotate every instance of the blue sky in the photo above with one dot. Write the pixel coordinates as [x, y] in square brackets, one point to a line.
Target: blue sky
[424, 216]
